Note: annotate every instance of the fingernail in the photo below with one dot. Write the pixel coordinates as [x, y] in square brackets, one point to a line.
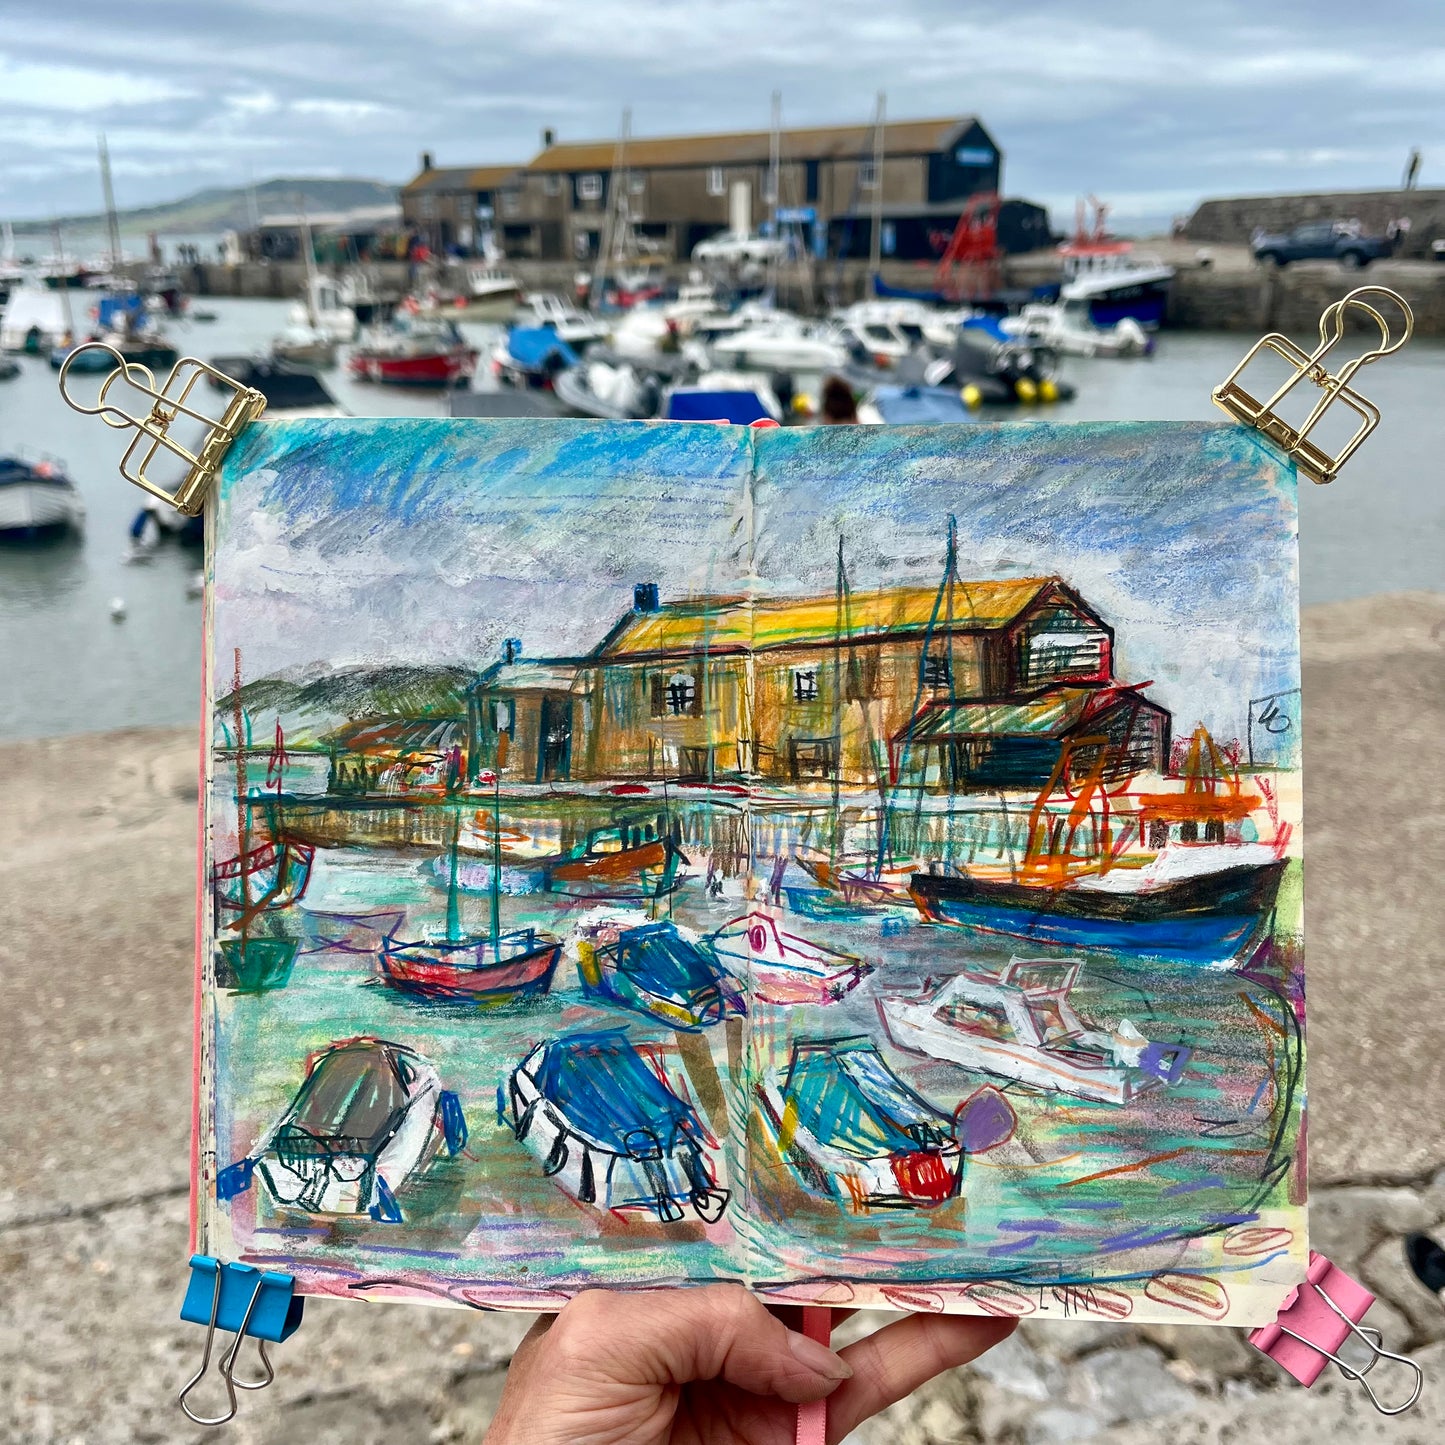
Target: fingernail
[818, 1358]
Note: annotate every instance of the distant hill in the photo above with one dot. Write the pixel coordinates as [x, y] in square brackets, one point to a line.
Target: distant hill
[219, 208]
[308, 707]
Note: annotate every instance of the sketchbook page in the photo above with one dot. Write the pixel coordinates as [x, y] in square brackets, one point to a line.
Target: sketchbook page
[1032, 752]
[463, 1039]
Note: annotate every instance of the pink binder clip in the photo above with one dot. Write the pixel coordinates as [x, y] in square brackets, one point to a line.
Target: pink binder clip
[1316, 1318]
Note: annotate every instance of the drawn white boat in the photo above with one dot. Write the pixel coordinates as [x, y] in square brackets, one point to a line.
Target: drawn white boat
[1021, 1026]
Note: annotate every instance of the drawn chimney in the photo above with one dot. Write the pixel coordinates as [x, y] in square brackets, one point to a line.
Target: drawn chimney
[426, 160]
[511, 650]
[549, 137]
[644, 597]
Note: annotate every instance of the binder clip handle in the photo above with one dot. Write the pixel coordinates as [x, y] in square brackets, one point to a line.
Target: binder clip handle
[1314, 1322]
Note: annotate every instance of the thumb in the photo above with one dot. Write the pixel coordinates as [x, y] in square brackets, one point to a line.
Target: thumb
[672, 1337]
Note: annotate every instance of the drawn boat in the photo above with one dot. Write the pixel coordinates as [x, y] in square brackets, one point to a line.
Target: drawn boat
[1201, 919]
[1021, 1026]
[362, 930]
[782, 967]
[264, 879]
[369, 1116]
[853, 1130]
[611, 1131]
[490, 969]
[617, 863]
[657, 968]
[256, 964]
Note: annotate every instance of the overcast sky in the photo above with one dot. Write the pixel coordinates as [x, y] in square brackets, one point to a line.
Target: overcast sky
[1148, 105]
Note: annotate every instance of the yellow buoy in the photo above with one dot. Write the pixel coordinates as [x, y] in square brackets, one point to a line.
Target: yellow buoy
[802, 403]
[971, 397]
[1025, 390]
[1048, 390]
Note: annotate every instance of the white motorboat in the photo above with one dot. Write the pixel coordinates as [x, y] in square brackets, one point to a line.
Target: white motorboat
[35, 319]
[324, 309]
[486, 293]
[1068, 328]
[782, 967]
[37, 500]
[613, 392]
[546, 308]
[368, 1118]
[1021, 1026]
[304, 345]
[779, 343]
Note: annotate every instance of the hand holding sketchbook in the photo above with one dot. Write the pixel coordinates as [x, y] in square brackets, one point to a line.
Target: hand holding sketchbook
[863, 864]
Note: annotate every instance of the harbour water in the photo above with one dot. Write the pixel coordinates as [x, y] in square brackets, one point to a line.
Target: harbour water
[67, 667]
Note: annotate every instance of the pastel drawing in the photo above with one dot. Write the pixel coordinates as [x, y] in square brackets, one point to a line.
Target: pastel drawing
[862, 863]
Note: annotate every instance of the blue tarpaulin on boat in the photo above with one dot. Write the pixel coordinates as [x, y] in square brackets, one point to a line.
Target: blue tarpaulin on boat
[606, 1091]
[532, 346]
[989, 325]
[919, 405]
[113, 311]
[738, 407]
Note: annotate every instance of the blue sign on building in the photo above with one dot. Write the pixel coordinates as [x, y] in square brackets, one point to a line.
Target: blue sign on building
[797, 215]
[974, 156]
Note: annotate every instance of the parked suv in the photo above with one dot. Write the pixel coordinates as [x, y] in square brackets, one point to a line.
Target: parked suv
[1323, 240]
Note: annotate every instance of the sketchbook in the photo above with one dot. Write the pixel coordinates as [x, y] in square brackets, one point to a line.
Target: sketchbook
[859, 863]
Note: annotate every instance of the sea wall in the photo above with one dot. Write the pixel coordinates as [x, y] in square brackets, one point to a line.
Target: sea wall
[1233, 219]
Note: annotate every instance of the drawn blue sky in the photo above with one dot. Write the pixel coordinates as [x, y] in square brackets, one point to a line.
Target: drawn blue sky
[430, 541]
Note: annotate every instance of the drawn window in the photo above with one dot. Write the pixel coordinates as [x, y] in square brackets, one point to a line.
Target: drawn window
[504, 716]
[812, 758]
[674, 694]
[589, 187]
[1062, 644]
[975, 1018]
[867, 175]
[805, 684]
[715, 182]
[551, 185]
[936, 670]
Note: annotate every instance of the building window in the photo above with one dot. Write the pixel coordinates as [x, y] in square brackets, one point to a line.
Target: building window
[675, 694]
[636, 185]
[810, 181]
[511, 203]
[589, 187]
[428, 207]
[770, 187]
[867, 175]
[812, 758]
[936, 670]
[716, 183]
[805, 684]
[504, 716]
[551, 185]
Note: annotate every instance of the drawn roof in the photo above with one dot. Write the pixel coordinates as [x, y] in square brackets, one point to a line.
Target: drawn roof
[733, 624]
[821, 142]
[396, 735]
[1047, 715]
[530, 675]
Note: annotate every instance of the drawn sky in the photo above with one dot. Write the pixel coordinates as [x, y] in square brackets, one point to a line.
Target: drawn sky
[430, 542]
[1148, 105]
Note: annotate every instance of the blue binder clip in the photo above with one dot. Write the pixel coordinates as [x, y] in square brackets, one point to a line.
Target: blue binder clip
[243, 1300]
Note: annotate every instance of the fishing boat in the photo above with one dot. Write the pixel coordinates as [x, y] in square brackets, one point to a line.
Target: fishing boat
[852, 1130]
[323, 305]
[625, 861]
[610, 1131]
[413, 353]
[530, 356]
[488, 970]
[264, 879]
[254, 962]
[37, 500]
[1102, 274]
[546, 308]
[782, 967]
[369, 1117]
[1021, 1026]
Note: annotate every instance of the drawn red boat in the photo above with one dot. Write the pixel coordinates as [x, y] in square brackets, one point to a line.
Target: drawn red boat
[264, 879]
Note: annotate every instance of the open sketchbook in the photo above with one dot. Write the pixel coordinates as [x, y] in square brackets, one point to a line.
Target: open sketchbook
[859, 863]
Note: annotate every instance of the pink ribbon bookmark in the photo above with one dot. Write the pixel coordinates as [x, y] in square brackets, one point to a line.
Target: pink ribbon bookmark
[813, 1419]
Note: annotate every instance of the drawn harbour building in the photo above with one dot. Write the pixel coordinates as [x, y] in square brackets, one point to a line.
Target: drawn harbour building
[978, 687]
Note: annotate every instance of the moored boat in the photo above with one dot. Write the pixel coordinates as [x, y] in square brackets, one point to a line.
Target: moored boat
[782, 967]
[851, 1129]
[485, 971]
[264, 879]
[1021, 1026]
[413, 353]
[369, 1116]
[610, 1131]
[37, 500]
[621, 862]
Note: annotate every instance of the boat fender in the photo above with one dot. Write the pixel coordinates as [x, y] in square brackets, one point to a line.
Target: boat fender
[1048, 389]
[709, 1204]
[1025, 389]
[453, 1122]
[971, 397]
[234, 1179]
[385, 1209]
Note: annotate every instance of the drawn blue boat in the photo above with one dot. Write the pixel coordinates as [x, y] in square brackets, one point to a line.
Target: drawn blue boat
[658, 969]
[852, 1129]
[610, 1131]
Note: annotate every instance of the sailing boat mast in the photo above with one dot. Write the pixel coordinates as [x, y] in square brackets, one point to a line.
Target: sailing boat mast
[64, 281]
[615, 201]
[243, 811]
[875, 229]
[112, 220]
[774, 181]
[310, 257]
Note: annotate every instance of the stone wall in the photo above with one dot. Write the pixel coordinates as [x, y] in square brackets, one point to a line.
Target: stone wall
[1233, 219]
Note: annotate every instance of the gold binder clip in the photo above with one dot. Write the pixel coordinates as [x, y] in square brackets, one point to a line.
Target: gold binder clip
[153, 431]
[1313, 460]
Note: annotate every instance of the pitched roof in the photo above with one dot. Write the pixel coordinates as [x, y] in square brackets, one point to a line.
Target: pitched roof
[396, 735]
[551, 675]
[821, 142]
[1047, 715]
[460, 178]
[734, 624]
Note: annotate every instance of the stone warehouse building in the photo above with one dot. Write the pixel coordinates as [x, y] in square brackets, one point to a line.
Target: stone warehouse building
[681, 189]
[978, 685]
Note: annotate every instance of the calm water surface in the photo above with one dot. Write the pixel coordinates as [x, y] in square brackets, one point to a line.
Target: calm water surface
[66, 667]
